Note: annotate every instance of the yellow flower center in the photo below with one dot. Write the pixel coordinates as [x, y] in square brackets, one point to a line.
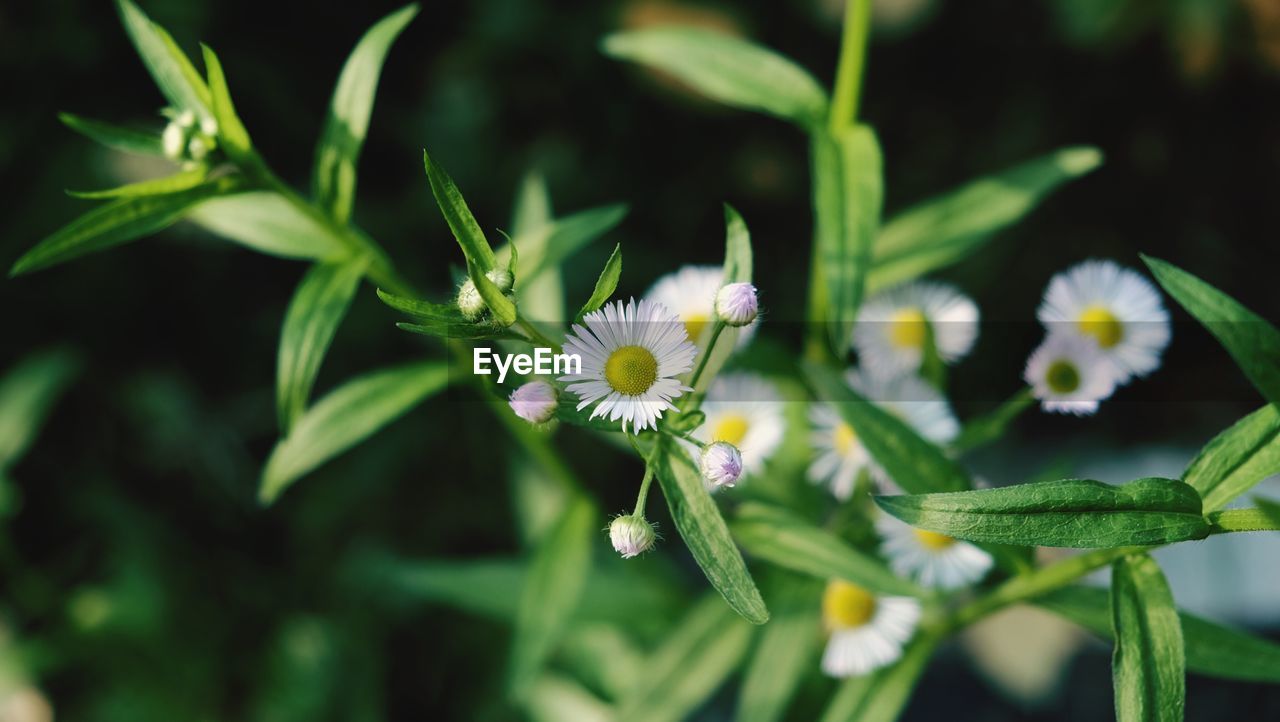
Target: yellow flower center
[932, 540]
[847, 606]
[631, 370]
[732, 428]
[694, 323]
[1102, 324]
[845, 438]
[1063, 377]
[908, 328]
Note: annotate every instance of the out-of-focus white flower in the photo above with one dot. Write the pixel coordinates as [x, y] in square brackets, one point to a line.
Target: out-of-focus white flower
[690, 293]
[745, 410]
[721, 464]
[894, 325]
[867, 631]
[535, 402]
[174, 140]
[1116, 307]
[1069, 374]
[932, 559]
[631, 355]
[631, 535]
[737, 304]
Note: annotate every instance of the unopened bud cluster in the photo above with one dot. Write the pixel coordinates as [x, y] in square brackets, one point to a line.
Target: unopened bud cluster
[185, 139]
[469, 300]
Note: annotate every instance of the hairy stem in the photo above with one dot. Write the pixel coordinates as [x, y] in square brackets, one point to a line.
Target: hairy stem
[1233, 520]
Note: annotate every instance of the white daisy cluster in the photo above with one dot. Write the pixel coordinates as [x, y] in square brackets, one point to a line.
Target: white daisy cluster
[1105, 326]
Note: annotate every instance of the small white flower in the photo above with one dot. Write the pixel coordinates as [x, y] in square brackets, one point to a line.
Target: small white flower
[1069, 374]
[721, 464]
[867, 631]
[470, 301]
[934, 560]
[840, 454]
[209, 126]
[174, 140]
[1116, 307]
[737, 304]
[893, 326]
[535, 402]
[198, 147]
[690, 293]
[745, 410]
[631, 535]
[631, 355]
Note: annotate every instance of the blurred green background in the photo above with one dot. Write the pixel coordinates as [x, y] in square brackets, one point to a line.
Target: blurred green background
[140, 581]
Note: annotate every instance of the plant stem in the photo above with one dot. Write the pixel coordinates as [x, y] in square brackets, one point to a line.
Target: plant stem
[694, 399]
[643, 497]
[849, 71]
[992, 425]
[1234, 520]
[535, 336]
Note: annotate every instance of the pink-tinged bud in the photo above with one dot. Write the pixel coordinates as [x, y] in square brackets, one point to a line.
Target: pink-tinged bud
[736, 304]
[535, 402]
[721, 464]
[631, 535]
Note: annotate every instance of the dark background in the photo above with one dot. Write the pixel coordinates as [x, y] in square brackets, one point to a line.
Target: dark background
[141, 489]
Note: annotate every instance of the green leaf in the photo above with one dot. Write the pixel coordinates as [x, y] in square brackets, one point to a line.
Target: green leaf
[785, 653]
[1268, 507]
[540, 297]
[169, 66]
[314, 314]
[551, 591]
[848, 188]
[234, 137]
[737, 247]
[914, 463]
[1250, 339]
[348, 415]
[115, 137]
[566, 236]
[117, 222]
[706, 534]
[268, 223]
[950, 227]
[481, 586]
[468, 331]
[689, 666]
[501, 307]
[1077, 513]
[606, 284]
[555, 698]
[1149, 663]
[882, 695]
[180, 181]
[1211, 649]
[27, 394]
[726, 69]
[781, 537]
[334, 178]
[1237, 459]
[456, 213]
[446, 313]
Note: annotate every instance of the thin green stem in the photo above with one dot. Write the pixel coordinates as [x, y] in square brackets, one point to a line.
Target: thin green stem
[535, 336]
[991, 426]
[694, 399]
[1234, 520]
[643, 497]
[853, 59]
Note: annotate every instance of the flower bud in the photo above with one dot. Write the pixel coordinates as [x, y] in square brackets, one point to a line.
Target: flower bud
[535, 402]
[736, 304]
[199, 146]
[631, 535]
[721, 464]
[501, 278]
[470, 302]
[174, 140]
[209, 126]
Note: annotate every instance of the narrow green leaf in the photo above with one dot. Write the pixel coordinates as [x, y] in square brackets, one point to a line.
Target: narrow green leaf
[555, 698]
[1212, 649]
[446, 313]
[1268, 507]
[501, 307]
[456, 213]
[689, 666]
[268, 223]
[470, 332]
[913, 462]
[314, 314]
[848, 189]
[117, 222]
[781, 537]
[231, 132]
[570, 234]
[115, 137]
[706, 534]
[551, 592]
[180, 181]
[606, 284]
[27, 394]
[348, 415]
[946, 229]
[1149, 663]
[533, 205]
[1252, 341]
[882, 695]
[737, 247]
[539, 296]
[1077, 513]
[604, 656]
[727, 69]
[786, 652]
[480, 586]
[168, 65]
[345, 127]
[1237, 459]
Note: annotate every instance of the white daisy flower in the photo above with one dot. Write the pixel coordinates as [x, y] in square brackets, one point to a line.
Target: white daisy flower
[721, 465]
[745, 410]
[932, 559]
[535, 402]
[691, 294]
[867, 631]
[631, 355]
[1069, 374]
[841, 456]
[1115, 306]
[893, 326]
